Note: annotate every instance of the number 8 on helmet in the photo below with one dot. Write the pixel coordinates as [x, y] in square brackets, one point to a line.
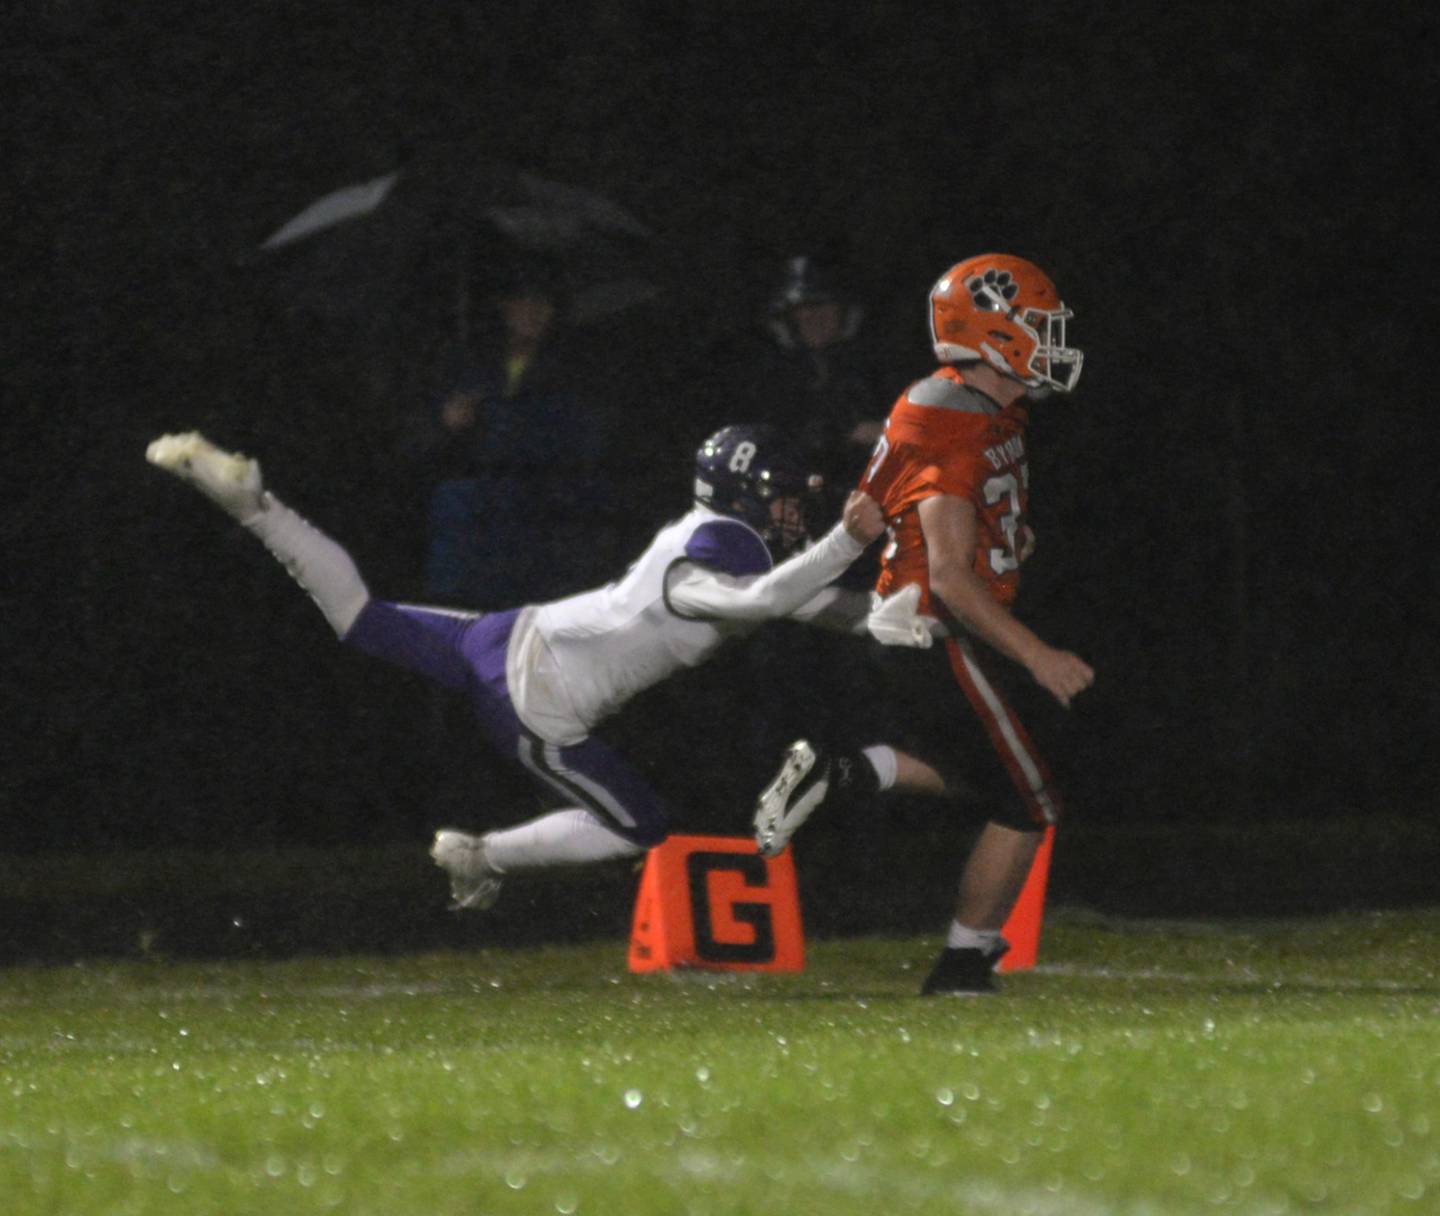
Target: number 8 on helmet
[751, 474]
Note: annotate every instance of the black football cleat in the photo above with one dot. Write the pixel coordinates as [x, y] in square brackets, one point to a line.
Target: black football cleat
[963, 972]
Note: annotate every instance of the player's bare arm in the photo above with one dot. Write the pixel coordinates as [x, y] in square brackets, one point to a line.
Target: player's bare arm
[950, 527]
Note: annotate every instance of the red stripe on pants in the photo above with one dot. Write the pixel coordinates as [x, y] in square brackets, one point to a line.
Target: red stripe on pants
[1028, 772]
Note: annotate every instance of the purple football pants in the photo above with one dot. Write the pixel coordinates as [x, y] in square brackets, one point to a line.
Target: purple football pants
[465, 652]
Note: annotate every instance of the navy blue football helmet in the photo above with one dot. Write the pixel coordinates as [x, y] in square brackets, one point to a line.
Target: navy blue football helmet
[742, 470]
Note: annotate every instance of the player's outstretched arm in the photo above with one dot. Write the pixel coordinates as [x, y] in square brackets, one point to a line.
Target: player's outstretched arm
[704, 594]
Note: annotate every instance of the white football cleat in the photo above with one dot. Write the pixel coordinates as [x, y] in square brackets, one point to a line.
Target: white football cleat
[474, 883]
[226, 478]
[797, 791]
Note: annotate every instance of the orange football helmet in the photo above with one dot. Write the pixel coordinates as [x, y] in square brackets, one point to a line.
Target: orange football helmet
[1006, 311]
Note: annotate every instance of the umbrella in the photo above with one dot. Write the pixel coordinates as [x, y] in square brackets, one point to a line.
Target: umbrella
[437, 223]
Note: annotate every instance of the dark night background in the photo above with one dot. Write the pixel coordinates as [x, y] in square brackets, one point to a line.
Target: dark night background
[1234, 509]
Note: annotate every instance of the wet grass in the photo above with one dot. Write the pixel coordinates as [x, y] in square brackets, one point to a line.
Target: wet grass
[1144, 1068]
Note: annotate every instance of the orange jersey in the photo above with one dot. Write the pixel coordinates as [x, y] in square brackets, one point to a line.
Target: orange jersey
[943, 437]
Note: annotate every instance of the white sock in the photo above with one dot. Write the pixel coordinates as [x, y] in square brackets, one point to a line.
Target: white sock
[320, 565]
[882, 760]
[962, 937]
[570, 837]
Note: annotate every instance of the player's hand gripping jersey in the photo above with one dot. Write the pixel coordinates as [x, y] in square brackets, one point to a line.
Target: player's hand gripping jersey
[943, 437]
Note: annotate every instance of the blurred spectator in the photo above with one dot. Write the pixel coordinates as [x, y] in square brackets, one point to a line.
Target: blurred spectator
[507, 451]
[808, 371]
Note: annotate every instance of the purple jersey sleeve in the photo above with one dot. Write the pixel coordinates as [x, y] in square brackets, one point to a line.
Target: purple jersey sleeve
[729, 547]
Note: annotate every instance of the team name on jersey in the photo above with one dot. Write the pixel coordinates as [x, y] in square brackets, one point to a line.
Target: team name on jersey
[1009, 452]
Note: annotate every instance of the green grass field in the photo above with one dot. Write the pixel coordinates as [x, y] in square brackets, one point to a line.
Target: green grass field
[1145, 1067]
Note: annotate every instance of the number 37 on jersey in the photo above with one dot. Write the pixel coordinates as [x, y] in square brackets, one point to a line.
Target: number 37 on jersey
[998, 483]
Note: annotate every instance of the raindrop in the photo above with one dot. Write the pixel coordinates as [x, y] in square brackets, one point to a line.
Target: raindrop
[946, 1097]
[275, 1166]
[566, 1204]
[515, 1180]
[702, 1074]
[633, 1098]
[1373, 1103]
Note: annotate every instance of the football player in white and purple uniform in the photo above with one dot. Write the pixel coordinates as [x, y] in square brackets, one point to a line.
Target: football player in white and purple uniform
[542, 677]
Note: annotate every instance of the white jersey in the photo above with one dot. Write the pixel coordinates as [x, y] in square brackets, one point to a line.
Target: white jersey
[704, 578]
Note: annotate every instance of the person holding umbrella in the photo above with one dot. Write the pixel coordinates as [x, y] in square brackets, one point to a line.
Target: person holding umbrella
[506, 455]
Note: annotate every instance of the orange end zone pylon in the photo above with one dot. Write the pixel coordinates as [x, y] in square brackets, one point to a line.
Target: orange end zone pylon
[714, 902]
[1022, 930]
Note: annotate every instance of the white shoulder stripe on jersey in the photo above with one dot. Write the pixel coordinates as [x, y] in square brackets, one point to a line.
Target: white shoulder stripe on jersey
[940, 393]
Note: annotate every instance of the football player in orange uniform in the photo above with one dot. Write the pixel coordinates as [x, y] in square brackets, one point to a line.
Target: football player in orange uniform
[951, 475]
